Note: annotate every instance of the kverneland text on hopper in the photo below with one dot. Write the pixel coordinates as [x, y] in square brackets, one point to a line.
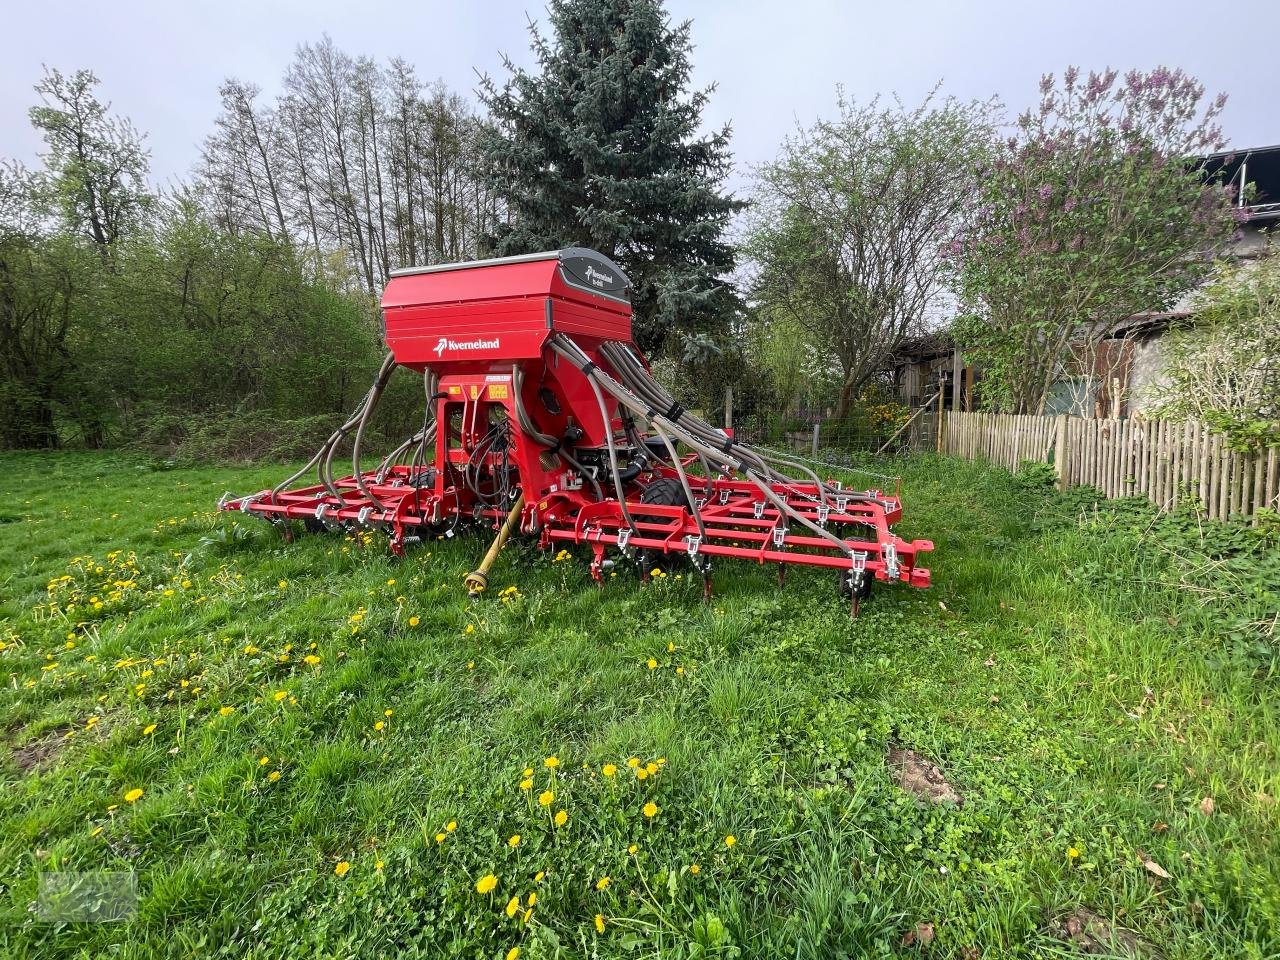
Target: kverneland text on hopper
[542, 420]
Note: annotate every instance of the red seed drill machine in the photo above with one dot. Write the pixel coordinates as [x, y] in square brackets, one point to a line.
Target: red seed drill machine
[542, 418]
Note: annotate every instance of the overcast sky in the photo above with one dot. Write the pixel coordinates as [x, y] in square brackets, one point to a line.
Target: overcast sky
[774, 63]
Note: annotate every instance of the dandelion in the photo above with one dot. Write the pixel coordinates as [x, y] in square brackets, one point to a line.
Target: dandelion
[379, 726]
[1073, 853]
[599, 923]
[514, 841]
[537, 877]
[551, 762]
[471, 664]
[533, 898]
[414, 621]
[439, 838]
[149, 729]
[632, 849]
[263, 761]
[391, 582]
[512, 906]
[311, 659]
[653, 664]
[342, 868]
[378, 865]
[283, 584]
[273, 776]
[132, 796]
[526, 784]
[633, 762]
[561, 818]
[451, 826]
[546, 798]
[279, 695]
[226, 711]
[486, 883]
[695, 869]
[513, 953]
[730, 840]
[608, 769]
[641, 773]
[602, 883]
[387, 713]
[471, 628]
[650, 809]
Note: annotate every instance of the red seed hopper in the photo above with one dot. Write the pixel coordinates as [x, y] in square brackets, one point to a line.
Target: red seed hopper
[542, 419]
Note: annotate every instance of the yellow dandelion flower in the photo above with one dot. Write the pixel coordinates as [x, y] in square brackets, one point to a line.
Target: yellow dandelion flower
[378, 865]
[486, 883]
[533, 898]
[730, 840]
[513, 953]
[311, 659]
[387, 713]
[414, 621]
[273, 776]
[551, 762]
[632, 849]
[282, 584]
[650, 809]
[599, 923]
[641, 773]
[602, 883]
[528, 771]
[653, 664]
[561, 818]
[149, 729]
[226, 711]
[537, 877]
[471, 664]
[514, 841]
[526, 784]
[651, 768]
[342, 868]
[695, 869]
[512, 906]
[379, 726]
[263, 761]
[633, 762]
[439, 838]
[546, 798]
[451, 826]
[132, 796]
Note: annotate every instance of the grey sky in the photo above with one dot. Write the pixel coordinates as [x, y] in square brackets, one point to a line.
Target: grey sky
[160, 62]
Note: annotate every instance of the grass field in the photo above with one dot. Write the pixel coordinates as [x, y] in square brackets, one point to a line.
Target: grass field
[316, 750]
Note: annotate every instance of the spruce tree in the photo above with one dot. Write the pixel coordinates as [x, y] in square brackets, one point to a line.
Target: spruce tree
[601, 148]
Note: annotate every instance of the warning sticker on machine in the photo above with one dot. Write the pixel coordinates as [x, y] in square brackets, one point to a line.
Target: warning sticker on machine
[497, 391]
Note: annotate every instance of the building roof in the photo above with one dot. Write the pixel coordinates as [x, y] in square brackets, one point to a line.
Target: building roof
[1258, 166]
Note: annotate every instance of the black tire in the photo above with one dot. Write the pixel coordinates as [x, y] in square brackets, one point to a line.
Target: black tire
[664, 492]
[845, 584]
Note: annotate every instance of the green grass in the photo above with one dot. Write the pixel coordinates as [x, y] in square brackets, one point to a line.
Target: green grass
[1084, 707]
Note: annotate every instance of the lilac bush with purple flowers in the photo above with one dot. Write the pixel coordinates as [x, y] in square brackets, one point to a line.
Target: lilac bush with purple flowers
[1095, 210]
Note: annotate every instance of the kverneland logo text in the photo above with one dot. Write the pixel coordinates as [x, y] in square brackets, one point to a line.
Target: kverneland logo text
[445, 343]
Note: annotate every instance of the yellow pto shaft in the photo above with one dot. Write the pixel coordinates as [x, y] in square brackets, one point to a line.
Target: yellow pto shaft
[478, 578]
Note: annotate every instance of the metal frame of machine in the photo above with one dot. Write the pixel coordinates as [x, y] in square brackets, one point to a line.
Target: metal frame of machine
[541, 418]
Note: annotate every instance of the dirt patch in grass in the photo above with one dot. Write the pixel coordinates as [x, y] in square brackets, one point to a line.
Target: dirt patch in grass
[40, 753]
[1096, 936]
[918, 775]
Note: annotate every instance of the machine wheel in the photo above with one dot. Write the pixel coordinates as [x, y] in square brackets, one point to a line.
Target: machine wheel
[845, 581]
[664, 492]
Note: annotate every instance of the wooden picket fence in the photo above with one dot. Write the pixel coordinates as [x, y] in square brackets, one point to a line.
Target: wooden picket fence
[1167, 463]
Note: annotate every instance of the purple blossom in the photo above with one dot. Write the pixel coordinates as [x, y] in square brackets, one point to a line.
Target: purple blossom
[1046, 191]
[1069, 205]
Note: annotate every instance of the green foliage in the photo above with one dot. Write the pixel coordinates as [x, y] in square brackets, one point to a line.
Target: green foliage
[848, 226]
[1222, 367]
[602, 148]
[1074, 672]
[1090, 214]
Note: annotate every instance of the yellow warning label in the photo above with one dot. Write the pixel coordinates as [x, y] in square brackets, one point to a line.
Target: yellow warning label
[497, 391]
[456, 390]
[476, 390]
